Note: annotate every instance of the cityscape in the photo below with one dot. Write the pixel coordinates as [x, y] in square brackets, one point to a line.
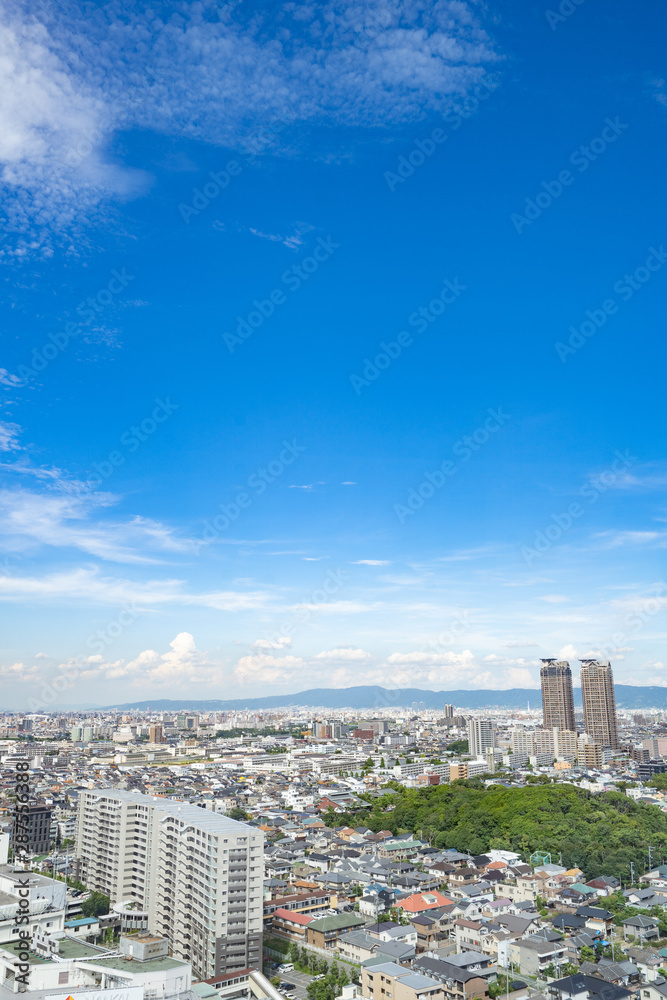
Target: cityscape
[333, 500]
[291, 852]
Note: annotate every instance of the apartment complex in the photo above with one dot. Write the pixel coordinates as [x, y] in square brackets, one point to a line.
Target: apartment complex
[481, 736]
[557, 696]
[197, 873]
[597, 692]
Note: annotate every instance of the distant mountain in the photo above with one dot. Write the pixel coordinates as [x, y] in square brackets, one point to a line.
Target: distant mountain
[370, 698]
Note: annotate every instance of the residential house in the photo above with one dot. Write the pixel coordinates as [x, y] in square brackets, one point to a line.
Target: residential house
[422, 902]
[389, 980]
[604, 885]
[598, 921]
[469, 934]
[641, 928]
[533, 955]
[457, 983]
[290, 924]
[324, 932]
[580, 987]
[647, 960]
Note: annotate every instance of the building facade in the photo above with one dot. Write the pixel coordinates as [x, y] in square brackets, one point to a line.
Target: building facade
[557, 696]
[197, 873]
[481, 736]
[597, 692]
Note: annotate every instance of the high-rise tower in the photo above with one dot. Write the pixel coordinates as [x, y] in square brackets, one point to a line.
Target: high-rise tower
[557, 697]
[597, 692]
[198, 874]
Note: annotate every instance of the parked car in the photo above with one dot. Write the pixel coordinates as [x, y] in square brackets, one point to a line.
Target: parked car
[287, 987]
[286, 967]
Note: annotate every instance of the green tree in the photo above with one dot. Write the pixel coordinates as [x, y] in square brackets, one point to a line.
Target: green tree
[238, 814]
[96, 904]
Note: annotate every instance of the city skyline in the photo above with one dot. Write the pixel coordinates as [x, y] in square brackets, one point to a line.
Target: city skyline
[302, 311]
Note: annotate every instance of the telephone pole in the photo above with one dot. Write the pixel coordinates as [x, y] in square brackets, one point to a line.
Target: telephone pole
[650, 850]
[632, 873]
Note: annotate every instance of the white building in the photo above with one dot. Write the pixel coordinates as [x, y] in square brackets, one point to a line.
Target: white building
[45, 898]
[198, 874]
[481, 736]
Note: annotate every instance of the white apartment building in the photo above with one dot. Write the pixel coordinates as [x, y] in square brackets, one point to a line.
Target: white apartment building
[481, 736]
[197, 873]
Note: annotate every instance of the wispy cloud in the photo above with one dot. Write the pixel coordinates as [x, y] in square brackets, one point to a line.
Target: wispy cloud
[71, 80]
[85, 585]
[9, 440]
[60, 520]
[371, 562]
[292, 241]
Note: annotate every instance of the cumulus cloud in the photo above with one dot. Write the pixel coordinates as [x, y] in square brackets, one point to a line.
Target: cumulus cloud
[283, 642]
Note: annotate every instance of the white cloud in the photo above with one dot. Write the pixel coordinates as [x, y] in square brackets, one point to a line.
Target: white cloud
[371, 562]
[53, 128]
[343, 654]
[283, 642]
[615, 539]
[84, 585]
[71, 79]
[61, 520]
[6, 378]
[266, 669]
[9, 436]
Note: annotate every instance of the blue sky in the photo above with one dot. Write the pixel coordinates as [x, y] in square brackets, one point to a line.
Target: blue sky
[217, 220]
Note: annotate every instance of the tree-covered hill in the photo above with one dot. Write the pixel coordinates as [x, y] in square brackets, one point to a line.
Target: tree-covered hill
[600, 833]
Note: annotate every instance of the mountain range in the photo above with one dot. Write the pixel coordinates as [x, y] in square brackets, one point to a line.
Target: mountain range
[371, 698]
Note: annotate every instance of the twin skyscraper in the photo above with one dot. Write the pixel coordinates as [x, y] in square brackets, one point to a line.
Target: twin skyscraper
[597, 692]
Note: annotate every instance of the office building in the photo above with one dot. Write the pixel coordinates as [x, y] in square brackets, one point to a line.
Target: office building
[198, 874]
[557, 697]
[37, 828]
[481, 736]
[597, 692]
[156, 734]
[188, 721]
